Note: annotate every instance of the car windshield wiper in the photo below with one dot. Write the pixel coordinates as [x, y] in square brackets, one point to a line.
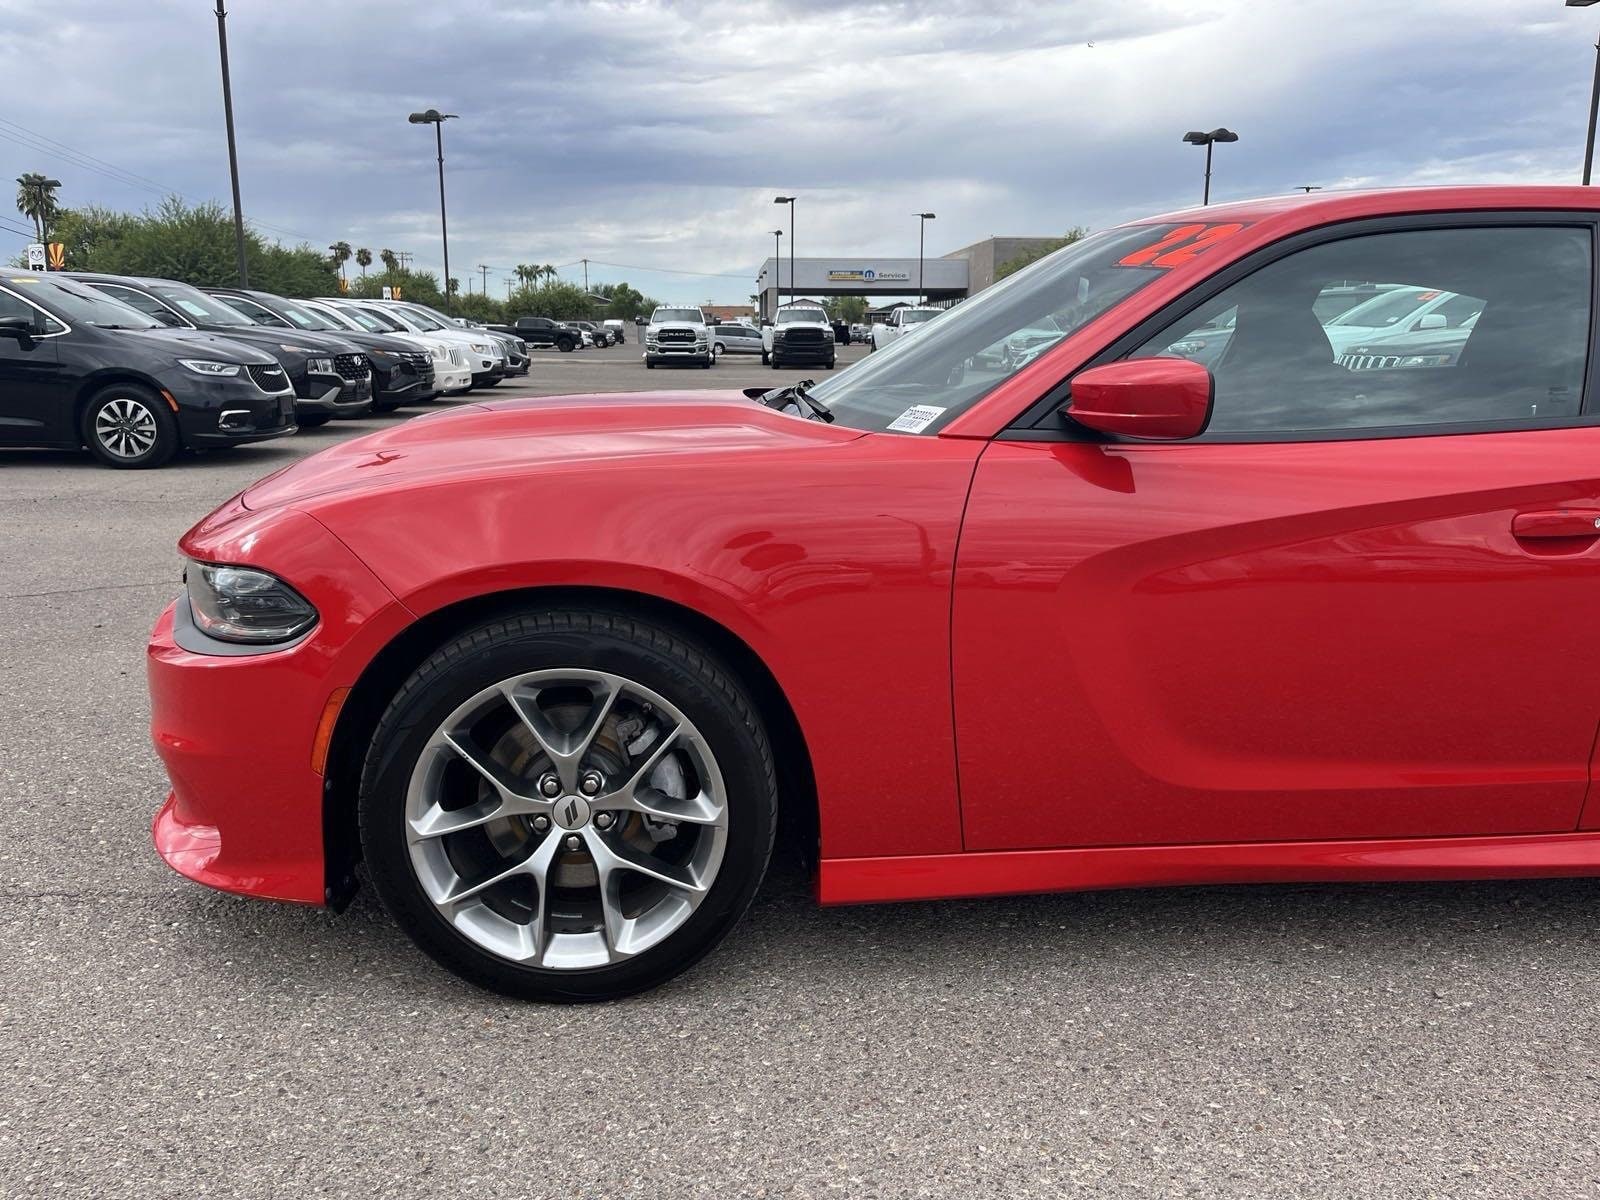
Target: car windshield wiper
[801, 391]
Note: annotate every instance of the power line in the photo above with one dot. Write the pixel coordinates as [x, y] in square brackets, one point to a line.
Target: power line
[656, 270]
[88, 162]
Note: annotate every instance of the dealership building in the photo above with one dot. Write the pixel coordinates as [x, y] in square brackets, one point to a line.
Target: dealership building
[951, 277]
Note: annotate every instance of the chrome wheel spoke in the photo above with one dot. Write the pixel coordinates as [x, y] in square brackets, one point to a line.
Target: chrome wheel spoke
[512, 799]
[610, 858]
[461, 889]
[565, 750]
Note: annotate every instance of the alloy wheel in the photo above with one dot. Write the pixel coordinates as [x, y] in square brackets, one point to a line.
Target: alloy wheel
[126, 428]
[566, 819]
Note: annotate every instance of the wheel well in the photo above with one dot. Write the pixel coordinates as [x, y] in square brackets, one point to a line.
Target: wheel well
[798, 820]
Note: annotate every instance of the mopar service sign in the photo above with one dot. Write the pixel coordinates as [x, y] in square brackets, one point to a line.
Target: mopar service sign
[869, 275]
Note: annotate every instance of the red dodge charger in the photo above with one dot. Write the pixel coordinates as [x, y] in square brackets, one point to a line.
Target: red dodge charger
[1255, 542]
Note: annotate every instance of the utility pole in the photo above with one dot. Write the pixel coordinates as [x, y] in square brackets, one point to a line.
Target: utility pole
[405, 257]
[233, 150]
[789, 200]
[437, 119]
[485, 271]
[586, 277]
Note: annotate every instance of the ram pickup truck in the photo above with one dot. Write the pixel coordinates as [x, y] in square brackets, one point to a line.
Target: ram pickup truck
[901, 322]
[801, 334]
[542, 331]
[677, 334]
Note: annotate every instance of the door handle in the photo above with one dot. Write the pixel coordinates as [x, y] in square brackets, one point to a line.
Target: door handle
[1557, 523]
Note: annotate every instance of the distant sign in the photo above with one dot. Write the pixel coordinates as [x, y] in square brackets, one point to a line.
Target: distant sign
[388, 292]
[35, 256]
[344, 284]
[58, 256]
[869, 275]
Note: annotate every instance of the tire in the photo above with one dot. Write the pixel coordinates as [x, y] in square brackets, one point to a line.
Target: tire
[313, 420]
[830, 364]
[649, 365]
[681, 687]
[765, 358]
[566, 345]
[776, 363]
[711, 361]
[130, 427]
[719, 350]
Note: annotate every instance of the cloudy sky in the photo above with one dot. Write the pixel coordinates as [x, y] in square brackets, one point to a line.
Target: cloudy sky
[654, 135]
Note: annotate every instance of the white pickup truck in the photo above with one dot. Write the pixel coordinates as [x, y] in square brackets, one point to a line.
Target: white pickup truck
[801, 334]
[901, 322]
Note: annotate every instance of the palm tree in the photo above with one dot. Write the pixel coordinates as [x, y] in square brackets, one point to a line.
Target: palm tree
[391, 263]
[525, 274]
[340, 253]
[363, 260]
[549, 272]
[36, 200]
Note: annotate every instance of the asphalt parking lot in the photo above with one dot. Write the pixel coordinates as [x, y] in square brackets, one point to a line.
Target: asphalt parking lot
[158, 1039]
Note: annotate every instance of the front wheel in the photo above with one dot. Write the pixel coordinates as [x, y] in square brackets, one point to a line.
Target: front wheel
[566, 345]
[129, 426]
[568, 805]
[765, 358]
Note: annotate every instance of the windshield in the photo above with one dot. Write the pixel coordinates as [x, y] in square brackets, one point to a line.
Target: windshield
[335, 318]
[916, 316]
[421, 318]
[813, 316]
[1388, 309]
[663, 315]
[917, 385]
[259, 313]
[304, 317]
[377, 320]
[199, 307]
[78, 304]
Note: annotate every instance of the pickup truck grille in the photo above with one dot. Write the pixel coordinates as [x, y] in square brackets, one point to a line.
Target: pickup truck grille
[676, 335]
[801, 336]
[351, 366]
[1369, 362]
[269, 379]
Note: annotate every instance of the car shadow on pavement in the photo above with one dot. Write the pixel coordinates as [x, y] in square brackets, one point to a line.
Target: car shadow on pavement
[1167, 937]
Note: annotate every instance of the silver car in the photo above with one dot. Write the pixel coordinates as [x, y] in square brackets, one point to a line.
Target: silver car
[735, 339]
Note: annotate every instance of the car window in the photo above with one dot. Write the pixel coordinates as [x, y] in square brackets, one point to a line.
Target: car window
[258, 313]
[149, 305]
[1469, 326]
[10, 306]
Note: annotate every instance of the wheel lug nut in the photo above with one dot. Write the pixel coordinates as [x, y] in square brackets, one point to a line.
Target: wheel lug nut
[590, 783]
[574, 842]
[550, 786]
[541, 824]
[603, 820]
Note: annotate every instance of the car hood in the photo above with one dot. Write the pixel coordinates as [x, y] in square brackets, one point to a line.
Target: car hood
[690, 325]
[519, 437]
[273, 340]
[191, 341]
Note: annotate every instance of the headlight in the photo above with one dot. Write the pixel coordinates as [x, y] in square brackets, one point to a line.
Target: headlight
[205, 366]
[293, 349]
[439, 353]
[319, 366]
[480, 348]
[240, 604]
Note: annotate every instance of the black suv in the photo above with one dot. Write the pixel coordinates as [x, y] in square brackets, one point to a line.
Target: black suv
[79, 369]
[330, 375]
[542, 331]
[401, 373]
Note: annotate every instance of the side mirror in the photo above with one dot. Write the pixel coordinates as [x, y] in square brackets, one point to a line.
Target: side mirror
[1432, 321]
[1162, 399]
[19, 328]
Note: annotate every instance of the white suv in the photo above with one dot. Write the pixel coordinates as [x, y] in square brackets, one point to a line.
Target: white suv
[677, 334]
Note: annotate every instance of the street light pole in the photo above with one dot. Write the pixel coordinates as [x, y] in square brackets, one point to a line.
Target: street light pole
[233, 150]
[1594, 101]
[437, 119]
[777, 267]
[789, 200]
[922, 226]
[1208, 140]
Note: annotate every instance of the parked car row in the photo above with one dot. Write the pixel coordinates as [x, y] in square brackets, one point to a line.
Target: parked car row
[137, 368]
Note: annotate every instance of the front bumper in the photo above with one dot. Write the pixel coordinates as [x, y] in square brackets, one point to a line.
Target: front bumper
[660, 352]
[333, 395]
[245, 810]
[799, 352]
[230, 411]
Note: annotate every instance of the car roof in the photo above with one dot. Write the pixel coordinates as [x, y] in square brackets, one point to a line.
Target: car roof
[1317, 208]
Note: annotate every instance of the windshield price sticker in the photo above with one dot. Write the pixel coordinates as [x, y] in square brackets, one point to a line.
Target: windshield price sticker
[1180, 246]
[916, 418]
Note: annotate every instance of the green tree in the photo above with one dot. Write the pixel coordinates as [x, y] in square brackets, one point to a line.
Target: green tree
[1012, 265]
[191, 243]
[36, 200]
[340, 253]
[849, 309]
[477, 306]
[627, 302]
[391, 263]
[562, 301]
[363, 260]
